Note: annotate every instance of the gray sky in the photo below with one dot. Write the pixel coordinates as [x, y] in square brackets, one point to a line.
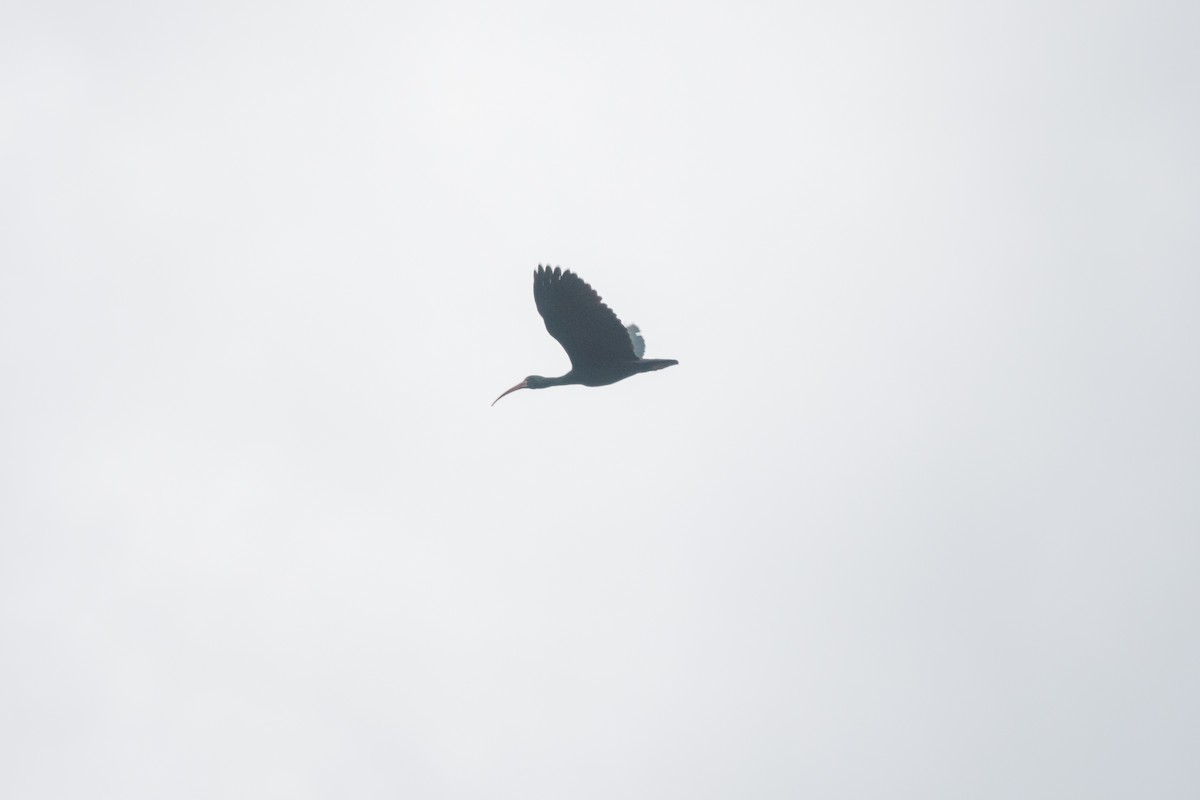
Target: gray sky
[916, 516]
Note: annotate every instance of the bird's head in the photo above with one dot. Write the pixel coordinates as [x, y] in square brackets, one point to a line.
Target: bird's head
[532, 382]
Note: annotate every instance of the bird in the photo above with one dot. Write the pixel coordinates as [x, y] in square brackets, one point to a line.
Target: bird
[601, 349]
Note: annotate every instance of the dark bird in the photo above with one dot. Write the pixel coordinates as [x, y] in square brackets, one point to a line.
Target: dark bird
[601, 349]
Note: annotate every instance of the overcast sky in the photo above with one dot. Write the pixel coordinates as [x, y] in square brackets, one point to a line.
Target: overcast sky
[916, 516]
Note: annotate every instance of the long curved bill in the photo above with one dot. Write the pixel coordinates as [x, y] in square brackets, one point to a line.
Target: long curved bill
[521, 385]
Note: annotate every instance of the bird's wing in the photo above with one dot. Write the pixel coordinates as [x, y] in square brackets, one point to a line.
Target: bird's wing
[635, 338]
[576, 316]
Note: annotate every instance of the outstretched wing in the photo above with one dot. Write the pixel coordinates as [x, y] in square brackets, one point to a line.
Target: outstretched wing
[576, 316]
[635, 339]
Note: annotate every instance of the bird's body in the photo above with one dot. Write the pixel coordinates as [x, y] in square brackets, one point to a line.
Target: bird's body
[601, 349]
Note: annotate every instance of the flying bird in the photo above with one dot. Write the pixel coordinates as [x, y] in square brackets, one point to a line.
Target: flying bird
[601, 349]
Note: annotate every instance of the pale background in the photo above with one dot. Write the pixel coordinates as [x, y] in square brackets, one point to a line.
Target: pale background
[917, 516]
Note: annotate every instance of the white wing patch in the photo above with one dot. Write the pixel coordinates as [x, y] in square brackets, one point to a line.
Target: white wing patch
[635, 336]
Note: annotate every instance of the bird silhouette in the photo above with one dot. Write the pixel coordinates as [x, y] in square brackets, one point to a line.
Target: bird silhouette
[601, 349]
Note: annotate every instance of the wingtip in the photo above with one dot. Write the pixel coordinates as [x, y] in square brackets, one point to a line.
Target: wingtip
[546, 272]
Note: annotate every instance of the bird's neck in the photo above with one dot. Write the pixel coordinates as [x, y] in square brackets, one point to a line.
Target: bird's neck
[561, 380]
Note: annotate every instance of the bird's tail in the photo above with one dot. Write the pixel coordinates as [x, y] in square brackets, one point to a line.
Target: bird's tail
[651, 364]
